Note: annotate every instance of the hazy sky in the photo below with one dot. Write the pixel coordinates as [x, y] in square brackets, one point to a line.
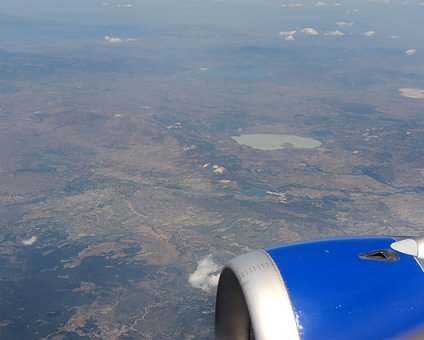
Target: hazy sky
[394, 24]
[253, 14]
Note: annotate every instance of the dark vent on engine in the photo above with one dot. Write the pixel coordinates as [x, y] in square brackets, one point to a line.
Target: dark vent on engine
[380, 255]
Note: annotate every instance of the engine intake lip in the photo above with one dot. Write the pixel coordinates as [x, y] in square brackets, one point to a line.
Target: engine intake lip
[252, 295]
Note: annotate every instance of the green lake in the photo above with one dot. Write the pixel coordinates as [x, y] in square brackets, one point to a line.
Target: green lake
[268, 141]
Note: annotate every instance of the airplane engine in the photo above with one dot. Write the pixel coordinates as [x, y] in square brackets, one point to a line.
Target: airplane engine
[343, 288]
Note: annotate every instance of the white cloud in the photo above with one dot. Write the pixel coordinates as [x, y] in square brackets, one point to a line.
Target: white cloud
[292, 5]
[117, 40]
[288, 35]
[321, 4]
[369, 33]
[205, 277]
[29, 241]
[412, 51]
[125, 5]
[218, 169]
[334, 33]
[394, 36]
[309, 31]
[113, 40]
[386, 2]
[412, 93]
[343, 24]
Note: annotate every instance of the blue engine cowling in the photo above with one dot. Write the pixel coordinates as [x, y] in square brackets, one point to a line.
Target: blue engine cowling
[345, 288]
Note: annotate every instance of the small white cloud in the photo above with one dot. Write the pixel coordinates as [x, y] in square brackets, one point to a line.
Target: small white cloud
[369, 33]
[29, 241]
[292, 5]
[288, 35]
[334, 33]
[309, 31]
[218, 169]
[321, 4]
[412, 93]
[117, 40]
[205, 277]
[113, 40]
[343, 24]
[412, 51]
[125, 5]
[385, 2]
[394, 36]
